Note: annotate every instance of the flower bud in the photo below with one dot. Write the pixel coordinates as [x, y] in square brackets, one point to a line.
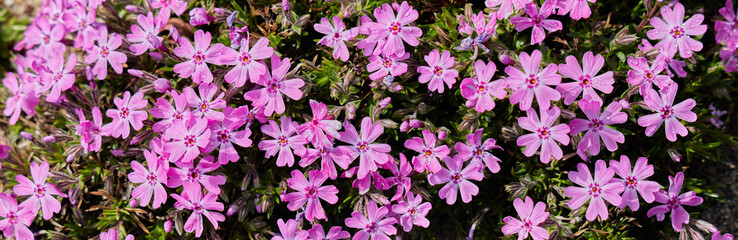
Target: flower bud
[385, 102]
[505, 59]
[286, 5]
[674, 154]
[404, 126]
[118, 153]
[135, 72]
[168, 225]
[442, 135]
[350, 111]
[156, 55]
[162, 85]
[231, 210]
[415, 123]
[49, 139]
[199, 16]
[624, 104]
[131, 8]
[132, 203]
[26, 135]
[396, 87]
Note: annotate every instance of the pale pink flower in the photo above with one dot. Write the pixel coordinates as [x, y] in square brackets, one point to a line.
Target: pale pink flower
[335, 35]
[577, 9]
[285, 140]
[168, 6]
[25, 98]
[533, 82]
[90, 132]
[483, 27]
[644, 75]
[246, 65]
[438, 71]
[39, 191]
[225, 134]
[190, 176]
[457, 180]
[163, 109]
[362, 146]
[394, 29]
[145, 34]
[289, 231]
[401, 176]
[478, 151]
[544, 135]
[127, 113]
[150, 180]
[727, 31]
[59, 77]
[585, 77]
[321, 127]
[717, 236]
[480, 89]
[387, 65]
[596, 127]
[328, 156]
[47, 36]
[596, 190]
[82, 21]
[538, 20]
[105, 53]
[204, 105]
[309, 193]
[507, 7]
[673, 202]
[675, 32]
[275, 84]
[412, 212]
[530, 219]
[335, 233]
[634, 181]
[185, 141]
[429, 152]
[200, 206]
[198, 57]
[676, 65]
[16, 220]
[667, 112]
[374, 225]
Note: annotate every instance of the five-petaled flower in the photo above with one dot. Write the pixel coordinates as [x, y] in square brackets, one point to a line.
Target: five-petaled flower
[275, 84]
[309, 192]
[635, 181]
[544, 135]
[429, 152]
[246, 66]
[438, 71]
[39, 190]
[412, 212]
[200, 206]
[105, 53]
[198, 57]
[362, 146]
[127, 113]
[285, 140]
[675, 32]
[667, 112]
[457, 180]
[335, 35]
[393, 29]
[480, 89]
[150, 180]
[533, 82]
[374, 225]
[596, 190]
[673, 202]
[596, 127]
[186, 139]
[538, 20]
[530, 219]
[585, 77]
[478, 151]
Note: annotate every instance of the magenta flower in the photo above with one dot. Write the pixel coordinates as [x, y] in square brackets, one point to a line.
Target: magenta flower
[596, 127]
[249, 115]
[105, 53]
[676, 65]
[530, 219]
[204, 105]
[507, 7]
[334, 233]
[126, 114]
[438, 71]
[673, 202]
[370, 154]
[4, 151]
[309, 193]
[144, 35]
[335, 35]
[169, 6]
[667, 112]
[412, 212]
[374, 225]
[480, 89]
[60, 77]
[585, 77]
[717, 236]
[635, 181]
[675, 33]
[577, 9]
[90, 132]
[246, 65]
[191, 176]
[645, 75]
[323, 125]
[82, 21]
[544, 135]
[393, 28]
[193, 200]
[328, 155]
[270, 96]
[163, 109]
[478, 151]
[596, 190]
[363, 184]
[457, 180]
[401, 176]
[39, 190]
[150, 180]
[385, 65]
[289, 231]
[538, 20]
[224, 135]
[16, 220]
[429, 152]
[47, 36]
[285, 140]
[531, 82]
[198, 57]
[482, 27]
[25, 98]
[727, 31]
[185, 141]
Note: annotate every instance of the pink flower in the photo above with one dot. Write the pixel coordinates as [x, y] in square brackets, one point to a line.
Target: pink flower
[335, 36]
[25, 98]
[90, 132]
[596, 127]
[105, 53]
[675, 33]
[577, 9]
[16, 221]
[729, 59]
[370, 154]
[47, 36]
[667, 112]
[168, 6]
[544, 135]
[429, 152]
[457, 180]
[374, 225]
[596, 190]
[204, 105]
[112, 234]
[144, 35]
[363, 184]
[507, 7]
[4, 151]
[191, 176]
[538, 21]
[285, 140]
[673, 202]
[193, 200]
[439, 71]
[530, 219]
[531, 82]
[185, 141]
[79, 19]
[270, 96]
[412, 212]
[224, 135]
[479, 90]
[478, 151]
[198, 57]
[645, 75]
[39, 190]
[387, 64]
[126, 114]
[635, 181]
[586, 79]
[289, 231]
[334, 233]
[309, 193]
[328, 155]
[150, 180]
[199, 16]
[676, 65]
[483, 28]
[727, 31]
[393, 28]
[246, 65]
[717, 236]
[401, 176]
[323, 125]
[59, 77]
[168, 113]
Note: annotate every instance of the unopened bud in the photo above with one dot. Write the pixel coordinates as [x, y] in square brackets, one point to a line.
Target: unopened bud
[118, 153]
[26, 135]
[49, 139]
[396, 87]
[505, 59]
[674, 155]
[162, 85]
[385, 102]
[168, 225]
[231, 210]
[132, 203]
[415, 123]
[404, 126]
[624, 104]
[442, 135]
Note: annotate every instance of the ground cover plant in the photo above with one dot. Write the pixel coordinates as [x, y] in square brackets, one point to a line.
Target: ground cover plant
[316, 119]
